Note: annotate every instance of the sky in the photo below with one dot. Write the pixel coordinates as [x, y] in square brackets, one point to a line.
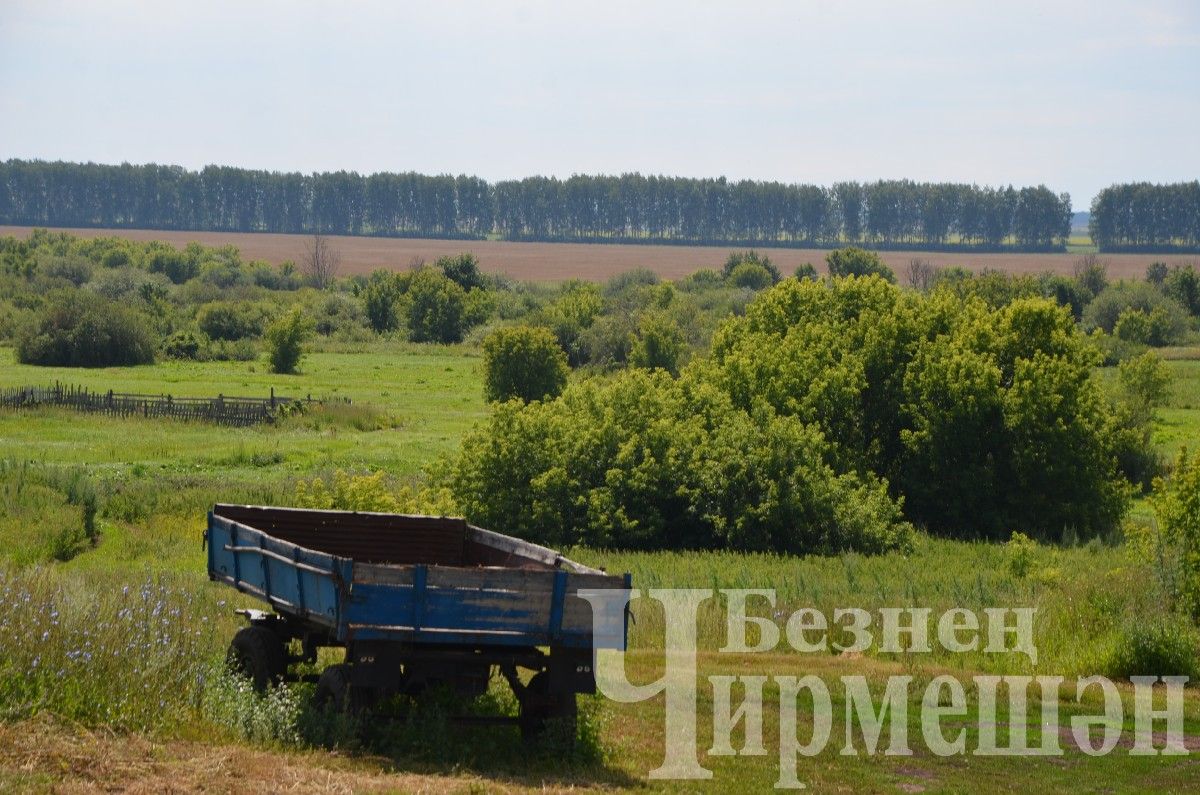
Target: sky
[1073, 95]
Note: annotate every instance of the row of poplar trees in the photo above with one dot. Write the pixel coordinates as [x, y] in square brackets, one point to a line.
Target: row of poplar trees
[886, 214]
[1144, 217]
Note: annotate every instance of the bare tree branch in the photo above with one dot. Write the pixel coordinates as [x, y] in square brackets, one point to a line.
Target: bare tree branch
[321, 261]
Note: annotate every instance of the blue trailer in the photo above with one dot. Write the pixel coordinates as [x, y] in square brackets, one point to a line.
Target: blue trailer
[415, 601]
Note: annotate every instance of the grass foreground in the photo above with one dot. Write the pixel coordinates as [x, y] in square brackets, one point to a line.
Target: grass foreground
[112, 681]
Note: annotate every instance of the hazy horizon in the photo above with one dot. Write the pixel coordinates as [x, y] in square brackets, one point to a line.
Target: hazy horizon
[1073, 95]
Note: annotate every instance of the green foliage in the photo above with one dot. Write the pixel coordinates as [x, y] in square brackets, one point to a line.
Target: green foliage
[72, 268]
[381, 298]
[1145, 380]
[1176, 503]
[571, 315]
[1133, 325]
[658, 342]
[1021, 553]
[1183, 285]
[751, 275]
[851, 261]
[1156, 272]
[436, 308]
[806, 271]
[1167, 318]
[463, 270]
[736, 259]
[80, 329]
[523, 362]
[183, 345]
[644, 461]
[285, 341]
[983, 419]
[230, 320]
[1163, 646]
[1091, 276]
[346, 492]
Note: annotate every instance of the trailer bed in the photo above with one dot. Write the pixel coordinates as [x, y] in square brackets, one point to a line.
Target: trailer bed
[412, 579]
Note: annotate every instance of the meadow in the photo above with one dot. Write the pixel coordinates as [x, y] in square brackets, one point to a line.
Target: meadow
[118, 682]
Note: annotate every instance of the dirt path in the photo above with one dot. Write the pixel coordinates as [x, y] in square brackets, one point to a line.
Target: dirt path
[44, 755]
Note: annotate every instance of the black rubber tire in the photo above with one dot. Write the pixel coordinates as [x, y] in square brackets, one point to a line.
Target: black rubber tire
[539, 706]
[335, 692]
[258, 654]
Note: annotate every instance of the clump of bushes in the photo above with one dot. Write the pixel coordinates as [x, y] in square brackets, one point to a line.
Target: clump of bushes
[851, 261]
[1137, 312]
[523, 362]
[646, 461]
[1165, 646]
[76, 328]
[231, 320]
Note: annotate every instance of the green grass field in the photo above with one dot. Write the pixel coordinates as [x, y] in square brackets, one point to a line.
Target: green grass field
[139, 604]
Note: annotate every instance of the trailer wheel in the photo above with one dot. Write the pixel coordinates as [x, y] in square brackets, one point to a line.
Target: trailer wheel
[540, 708]
[257, 653]
[334, 691]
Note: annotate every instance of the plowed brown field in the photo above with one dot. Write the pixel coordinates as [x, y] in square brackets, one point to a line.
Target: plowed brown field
[595, 261]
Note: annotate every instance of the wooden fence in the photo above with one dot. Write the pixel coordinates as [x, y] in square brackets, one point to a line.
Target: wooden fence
[221, 409]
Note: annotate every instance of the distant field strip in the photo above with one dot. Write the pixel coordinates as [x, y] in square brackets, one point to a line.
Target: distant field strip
[221, 410]
[599, 261]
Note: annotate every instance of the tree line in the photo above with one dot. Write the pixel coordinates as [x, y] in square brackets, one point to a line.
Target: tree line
[1140, 216]
[630, 207]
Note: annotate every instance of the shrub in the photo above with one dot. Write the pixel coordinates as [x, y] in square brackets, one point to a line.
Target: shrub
[463, 270]
[80, 329]
[1020, 553]
[183, 345]
[1166, 646]
[285, 341]
[658, 342]
[1183, 285]
[1091, 274]
[74, 269]
[1168, 319]
[436, 308]
[1133, 325]
[806, 271]
[983, 419]
[751, 257]
[1146, 381]
[701, 280]
[750, 275]
[228, 320]
[523, 362]
[172, 263]
[851, 261]
[381, 298]
[645, 461]
[1156, 272]
[1176, 503]
[571, 315]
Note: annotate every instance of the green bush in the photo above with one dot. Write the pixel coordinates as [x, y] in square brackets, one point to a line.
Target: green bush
[1183, 285]
[523, 362]
[750, 275]
[571, 315]
[1134, 326]
[80, 329]
[983, 419]
[751, 257]
[184, 345]
[806, 271]
[1176, 503]
[851, 261]
[1168, 319]
[463, 270]
[174, 264]
[1166, 646]
[230, 320]
[285, 341]
[658, 342]
[644, 461]
[381, 301]
[436, 308]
